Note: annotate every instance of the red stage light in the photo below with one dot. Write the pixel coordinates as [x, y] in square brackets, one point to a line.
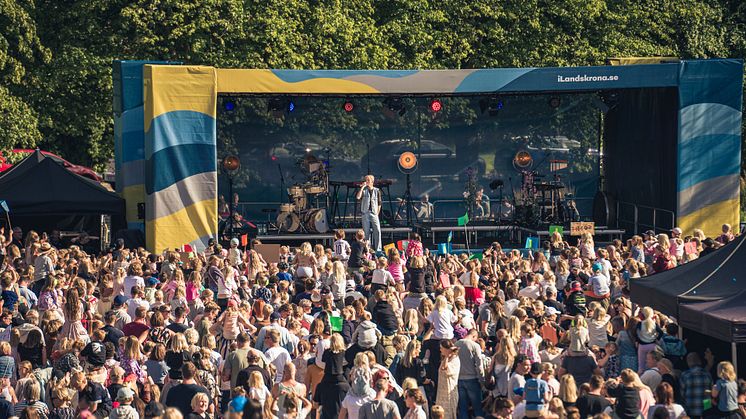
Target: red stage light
[436, 105]
[349, 107]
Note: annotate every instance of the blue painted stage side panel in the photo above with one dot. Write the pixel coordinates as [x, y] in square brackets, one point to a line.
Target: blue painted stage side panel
[711, 81]
[173, 164]
[180, 128]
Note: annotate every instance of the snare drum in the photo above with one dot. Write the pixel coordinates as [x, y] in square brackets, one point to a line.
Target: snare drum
[287, 207]
[315, 221]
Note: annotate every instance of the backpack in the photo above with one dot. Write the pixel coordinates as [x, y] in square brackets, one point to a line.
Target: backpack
[532, 392]
[673, 346]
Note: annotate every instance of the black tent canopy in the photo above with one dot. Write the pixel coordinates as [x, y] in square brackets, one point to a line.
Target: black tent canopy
[723, 319]
[40, 186]
[711, 277]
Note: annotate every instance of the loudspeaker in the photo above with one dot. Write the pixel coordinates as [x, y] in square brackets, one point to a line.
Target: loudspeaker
[140, 210]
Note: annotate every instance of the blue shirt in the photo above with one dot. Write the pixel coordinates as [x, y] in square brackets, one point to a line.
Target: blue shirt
[534, 392]
[10, 298]
[727, 395]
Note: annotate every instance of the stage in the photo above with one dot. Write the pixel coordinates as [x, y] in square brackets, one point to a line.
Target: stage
[555, 144]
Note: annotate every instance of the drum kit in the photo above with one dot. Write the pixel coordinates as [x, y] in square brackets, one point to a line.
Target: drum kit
[303, 213]
[544, 202]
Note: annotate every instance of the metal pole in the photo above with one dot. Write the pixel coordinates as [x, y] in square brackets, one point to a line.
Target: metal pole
[230, 206]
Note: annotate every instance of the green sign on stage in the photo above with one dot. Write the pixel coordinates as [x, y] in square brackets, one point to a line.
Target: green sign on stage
[559, 229]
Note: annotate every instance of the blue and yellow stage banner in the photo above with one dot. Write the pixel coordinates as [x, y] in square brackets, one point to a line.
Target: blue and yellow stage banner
[180, 156]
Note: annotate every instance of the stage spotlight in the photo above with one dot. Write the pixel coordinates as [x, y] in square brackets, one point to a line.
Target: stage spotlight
[348, 106]
[555, 102]
[436, 105]
[523, 160]
[229, 105]
[491, 106]
[291, 106]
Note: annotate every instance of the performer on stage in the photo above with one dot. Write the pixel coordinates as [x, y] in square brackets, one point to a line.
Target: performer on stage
[483, 204]
[370, 207]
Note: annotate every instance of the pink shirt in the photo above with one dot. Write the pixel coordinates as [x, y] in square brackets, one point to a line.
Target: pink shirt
[395, 269]
[192, 292]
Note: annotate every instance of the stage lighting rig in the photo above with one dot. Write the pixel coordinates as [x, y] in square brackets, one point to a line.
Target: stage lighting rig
[436, 105]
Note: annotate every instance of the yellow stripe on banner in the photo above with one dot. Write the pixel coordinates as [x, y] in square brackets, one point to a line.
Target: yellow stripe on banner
[711, 218]
[132, 195]
[264, 81]
[178, 88]
[182, 227]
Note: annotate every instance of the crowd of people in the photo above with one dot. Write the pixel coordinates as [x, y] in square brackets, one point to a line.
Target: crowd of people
[348, 332]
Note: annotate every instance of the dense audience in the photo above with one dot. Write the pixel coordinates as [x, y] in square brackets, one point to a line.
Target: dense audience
[348, 333]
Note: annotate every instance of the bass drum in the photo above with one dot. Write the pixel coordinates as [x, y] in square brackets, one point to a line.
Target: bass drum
[288, 222]
[315, 221]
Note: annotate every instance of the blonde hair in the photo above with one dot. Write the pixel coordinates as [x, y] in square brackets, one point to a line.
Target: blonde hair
[305, 249]
[514, 328]
[179, 343]
[440, 303]
[132, 348]
[256, 380]
[197, 398]
[339, 270]
[648, 323]
[361, 360]
[337, 344]
[568, 390]
[726, 371]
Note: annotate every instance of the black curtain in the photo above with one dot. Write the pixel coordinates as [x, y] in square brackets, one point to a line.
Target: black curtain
[640, 151]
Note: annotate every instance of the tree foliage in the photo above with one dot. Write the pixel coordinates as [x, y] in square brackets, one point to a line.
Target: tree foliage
[55, 57]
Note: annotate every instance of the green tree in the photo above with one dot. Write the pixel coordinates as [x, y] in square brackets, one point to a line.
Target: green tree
[20, 49]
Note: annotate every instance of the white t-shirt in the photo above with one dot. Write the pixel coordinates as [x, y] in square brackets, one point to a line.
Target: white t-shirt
[442, 323]
[382, 277]
[532, 291]
[466, 279]
[133, 303]
[353, 404]
[341, 249]
[131, 281]
[278, 356]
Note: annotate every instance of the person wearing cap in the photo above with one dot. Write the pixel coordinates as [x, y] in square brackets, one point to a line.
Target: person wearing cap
[119, 307]
[125, 396]
[43, 266]
[598, 289]
[274, 324]
[536, 392]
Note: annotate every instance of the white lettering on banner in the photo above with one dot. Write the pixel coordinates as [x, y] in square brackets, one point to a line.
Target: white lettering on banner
[585, 78]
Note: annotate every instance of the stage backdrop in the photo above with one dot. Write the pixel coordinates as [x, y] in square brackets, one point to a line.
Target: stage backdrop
[179, 124]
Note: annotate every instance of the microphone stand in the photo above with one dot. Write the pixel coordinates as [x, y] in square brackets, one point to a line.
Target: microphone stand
[282, 182]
